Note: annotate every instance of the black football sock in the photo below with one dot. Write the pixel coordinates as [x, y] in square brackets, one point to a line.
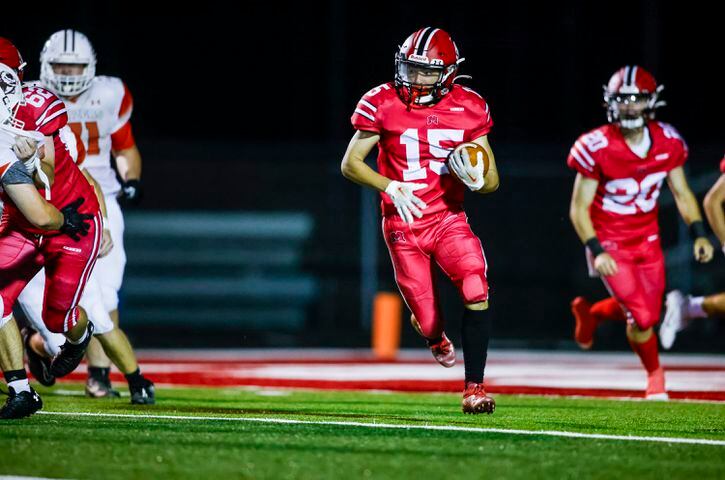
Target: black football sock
[475, 332]
[17, 380]
[135, 378]
[100, 373]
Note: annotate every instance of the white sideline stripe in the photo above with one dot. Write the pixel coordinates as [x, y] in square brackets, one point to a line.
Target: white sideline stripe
[17, 477]
[445, 428]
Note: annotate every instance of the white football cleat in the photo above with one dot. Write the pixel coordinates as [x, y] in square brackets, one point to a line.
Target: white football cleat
[675, 318]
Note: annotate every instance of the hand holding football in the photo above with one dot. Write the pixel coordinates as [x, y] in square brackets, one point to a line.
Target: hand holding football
[469, 163]
[476, 153]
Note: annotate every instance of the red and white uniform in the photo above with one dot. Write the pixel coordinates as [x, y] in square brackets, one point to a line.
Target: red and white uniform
[624, 211]
[24, 249]
[414, 145]
[101, 117]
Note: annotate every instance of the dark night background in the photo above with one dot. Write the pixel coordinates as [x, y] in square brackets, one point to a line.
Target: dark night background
[247, 108]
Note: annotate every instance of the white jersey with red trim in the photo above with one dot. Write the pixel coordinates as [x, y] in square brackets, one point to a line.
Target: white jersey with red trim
[94, 116]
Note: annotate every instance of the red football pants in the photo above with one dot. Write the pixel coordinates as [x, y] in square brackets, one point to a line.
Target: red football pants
[639, 284]
[68, 264]
[445, 239]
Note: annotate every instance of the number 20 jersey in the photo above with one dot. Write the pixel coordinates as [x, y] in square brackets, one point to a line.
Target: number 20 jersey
[414, 144]
[625, 206]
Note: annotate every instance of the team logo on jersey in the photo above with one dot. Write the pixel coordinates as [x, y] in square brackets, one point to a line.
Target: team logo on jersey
[432, 120]
[397, 237]
[72, 249]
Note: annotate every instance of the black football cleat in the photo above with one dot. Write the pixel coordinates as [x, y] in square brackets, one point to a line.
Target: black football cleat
[70, 355]
[143, 393]
[39, 366]
[20, 405]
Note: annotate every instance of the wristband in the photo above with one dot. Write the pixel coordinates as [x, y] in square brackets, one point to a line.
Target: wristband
[697, 229]
[594, 246]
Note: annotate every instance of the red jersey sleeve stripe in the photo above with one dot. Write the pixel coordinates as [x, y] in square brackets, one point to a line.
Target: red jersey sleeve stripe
[41, 119]
[365, 114]
[579, 160]
[122, 138]
[126, 103]
[578, 146]
[47, 120]
[369, 105]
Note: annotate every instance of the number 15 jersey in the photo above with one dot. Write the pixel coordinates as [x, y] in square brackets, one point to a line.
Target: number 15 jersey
[625, 206]
[414, 144]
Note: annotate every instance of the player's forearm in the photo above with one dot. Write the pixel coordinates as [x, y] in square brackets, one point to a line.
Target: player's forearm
[687, 206]
[491, 182]
[359, 172]
[713, 206]
[34, 208]
[128, 162]
[51, 219]
[582, 222]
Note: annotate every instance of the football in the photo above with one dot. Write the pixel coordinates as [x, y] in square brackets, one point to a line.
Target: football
[476, 153]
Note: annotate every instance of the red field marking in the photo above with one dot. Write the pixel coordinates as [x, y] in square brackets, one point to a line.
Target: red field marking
[558, 368]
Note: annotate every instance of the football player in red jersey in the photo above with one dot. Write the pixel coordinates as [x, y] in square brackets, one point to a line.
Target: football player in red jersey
[27, 243]
[42, 347]
[683, 308]
[417, 121]
[620, 169]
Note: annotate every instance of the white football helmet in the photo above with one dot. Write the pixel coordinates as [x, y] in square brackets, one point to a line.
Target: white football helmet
[67, 47]
[11, 97]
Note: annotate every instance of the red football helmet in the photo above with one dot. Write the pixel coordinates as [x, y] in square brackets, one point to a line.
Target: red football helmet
[10, 56]
[425, 67]
[632, 85]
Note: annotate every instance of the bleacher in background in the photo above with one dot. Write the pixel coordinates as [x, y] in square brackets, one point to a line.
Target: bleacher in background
[235, 270]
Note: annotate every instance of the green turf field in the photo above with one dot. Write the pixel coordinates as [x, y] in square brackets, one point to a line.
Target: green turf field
[71, 446]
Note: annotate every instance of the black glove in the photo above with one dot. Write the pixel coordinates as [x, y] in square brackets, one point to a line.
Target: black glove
[74, 223]
[131, 193]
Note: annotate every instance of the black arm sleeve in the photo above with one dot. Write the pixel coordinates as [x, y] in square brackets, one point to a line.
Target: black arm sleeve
[17, 174]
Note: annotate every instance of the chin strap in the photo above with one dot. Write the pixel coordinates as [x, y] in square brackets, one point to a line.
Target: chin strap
[461, 77]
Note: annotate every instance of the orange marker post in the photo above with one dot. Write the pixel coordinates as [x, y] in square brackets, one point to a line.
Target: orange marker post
[387, 311]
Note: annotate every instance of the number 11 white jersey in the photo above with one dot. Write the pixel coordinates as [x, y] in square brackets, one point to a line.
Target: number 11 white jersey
[100, 118]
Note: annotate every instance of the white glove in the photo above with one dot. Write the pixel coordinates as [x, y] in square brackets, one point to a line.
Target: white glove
[405, 201]
[460, 163]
